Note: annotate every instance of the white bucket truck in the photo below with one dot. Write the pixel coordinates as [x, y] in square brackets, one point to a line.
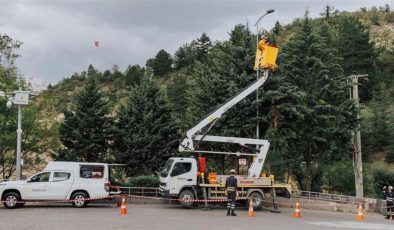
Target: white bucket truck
[183, 177]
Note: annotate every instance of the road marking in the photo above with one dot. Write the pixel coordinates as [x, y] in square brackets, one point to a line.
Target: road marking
[355, 225]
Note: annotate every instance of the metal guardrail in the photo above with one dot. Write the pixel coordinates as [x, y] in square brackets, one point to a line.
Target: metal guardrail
[323, 196]
[140, 191]
[154, 192]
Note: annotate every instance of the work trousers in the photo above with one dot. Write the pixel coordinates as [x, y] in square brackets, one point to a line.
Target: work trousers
[231, 196]
[390, 208]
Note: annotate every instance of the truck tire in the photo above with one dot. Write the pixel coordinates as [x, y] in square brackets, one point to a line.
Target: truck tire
[79, 199]
[186, 198]
[11, 200]
[257, 200]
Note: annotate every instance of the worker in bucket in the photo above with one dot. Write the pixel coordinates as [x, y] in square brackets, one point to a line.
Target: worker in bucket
[231, 189]
[389, 196]
[263, 41]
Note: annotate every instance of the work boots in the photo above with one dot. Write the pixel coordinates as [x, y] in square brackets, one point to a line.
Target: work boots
[233, 213]
[228, 212]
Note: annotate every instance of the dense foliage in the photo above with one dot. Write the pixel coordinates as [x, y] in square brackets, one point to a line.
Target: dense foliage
[86, 130]
[145, 132]
[36, 139]
[138, 116]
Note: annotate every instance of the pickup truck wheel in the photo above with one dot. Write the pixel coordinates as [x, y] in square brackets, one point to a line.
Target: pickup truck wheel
[257, 200]
[11, 200]
[186, 198]
[79, 199]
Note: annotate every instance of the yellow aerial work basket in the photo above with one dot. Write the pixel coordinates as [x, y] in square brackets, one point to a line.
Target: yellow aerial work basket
[267, 58]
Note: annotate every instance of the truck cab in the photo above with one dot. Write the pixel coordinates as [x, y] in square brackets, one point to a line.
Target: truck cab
[179, 174]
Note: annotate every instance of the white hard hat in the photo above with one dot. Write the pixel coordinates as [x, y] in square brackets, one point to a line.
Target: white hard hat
[391, 187]
[232, 171]
[262, 36]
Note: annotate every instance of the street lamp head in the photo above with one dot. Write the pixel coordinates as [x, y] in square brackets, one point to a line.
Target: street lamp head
[267, 12]
[270, 11]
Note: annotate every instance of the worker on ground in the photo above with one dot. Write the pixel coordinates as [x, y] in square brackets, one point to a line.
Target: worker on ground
[231, 189]
[389, 196]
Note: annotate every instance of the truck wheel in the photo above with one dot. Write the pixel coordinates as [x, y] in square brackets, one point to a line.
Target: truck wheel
[11, 200]
[257, 200]
[186, 198]
[79, 199]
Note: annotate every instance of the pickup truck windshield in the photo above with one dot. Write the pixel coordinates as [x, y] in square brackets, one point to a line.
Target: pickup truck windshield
[167, 168]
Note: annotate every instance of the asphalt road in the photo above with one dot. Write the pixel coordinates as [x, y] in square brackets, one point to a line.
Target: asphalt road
[164, 217]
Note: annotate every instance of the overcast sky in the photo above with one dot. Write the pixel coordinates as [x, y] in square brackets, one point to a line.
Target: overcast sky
[58, 35]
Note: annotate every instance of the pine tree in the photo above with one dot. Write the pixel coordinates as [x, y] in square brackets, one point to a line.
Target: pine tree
[85, 132]
[91, 71]
[162, 63]
[277, 28]
[329, 12]
[241, 36]
[134, 74]
[203, 44]
[185, 56]
[150, 63]
[227, 70]
[178, 92]
[146, 134]
[309, 101]
[358, 54]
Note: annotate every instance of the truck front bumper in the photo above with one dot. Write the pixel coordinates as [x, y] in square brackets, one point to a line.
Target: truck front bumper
[164, 192]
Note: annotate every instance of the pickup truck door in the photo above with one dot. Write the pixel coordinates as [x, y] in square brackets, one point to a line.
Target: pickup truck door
[182, 175]
[37, 187]
[60, 184]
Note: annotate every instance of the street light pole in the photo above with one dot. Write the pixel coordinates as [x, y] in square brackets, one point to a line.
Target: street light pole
[258, 73]
[356, 141]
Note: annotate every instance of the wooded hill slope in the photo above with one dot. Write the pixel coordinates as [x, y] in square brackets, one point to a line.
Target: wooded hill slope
[304, 107]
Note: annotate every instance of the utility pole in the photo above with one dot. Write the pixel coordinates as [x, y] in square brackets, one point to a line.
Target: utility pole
[356, 140]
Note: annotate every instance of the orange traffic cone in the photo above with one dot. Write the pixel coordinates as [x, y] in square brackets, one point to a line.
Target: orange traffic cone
[297, 211]
[360, 213]
[123, 209]
[251, 212]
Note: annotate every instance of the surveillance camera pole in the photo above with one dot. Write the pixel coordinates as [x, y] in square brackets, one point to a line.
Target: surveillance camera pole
[19, 98]
[19, 144]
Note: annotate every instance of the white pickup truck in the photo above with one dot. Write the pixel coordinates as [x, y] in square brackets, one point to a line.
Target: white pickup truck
[59, 180]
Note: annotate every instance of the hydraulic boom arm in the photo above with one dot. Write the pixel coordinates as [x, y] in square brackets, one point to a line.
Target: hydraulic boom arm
[261, 153]
[187, 143]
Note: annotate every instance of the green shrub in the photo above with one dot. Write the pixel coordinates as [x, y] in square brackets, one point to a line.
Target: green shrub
[143, 181]
[390, 155]
[382, 175]
[339, 178]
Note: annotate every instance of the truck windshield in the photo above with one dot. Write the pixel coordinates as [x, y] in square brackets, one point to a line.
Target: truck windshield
[167, 168]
